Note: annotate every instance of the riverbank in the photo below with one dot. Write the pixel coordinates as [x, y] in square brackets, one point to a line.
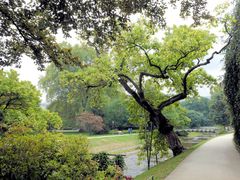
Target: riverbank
[163, 169]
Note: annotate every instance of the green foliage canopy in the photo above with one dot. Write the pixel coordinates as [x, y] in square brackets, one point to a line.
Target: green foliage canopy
[198, 111]
[28, 27]
[20, 104]
[75, 90]
[197, 119]
[115, 113]
[154, 71]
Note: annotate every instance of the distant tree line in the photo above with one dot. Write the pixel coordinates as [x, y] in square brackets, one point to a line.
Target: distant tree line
[208, 111]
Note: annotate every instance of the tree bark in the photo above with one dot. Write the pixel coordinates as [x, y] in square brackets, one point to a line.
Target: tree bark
[174, 143]
[165, 128]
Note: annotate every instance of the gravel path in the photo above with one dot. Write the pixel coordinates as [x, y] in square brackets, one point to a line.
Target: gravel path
[215, 160]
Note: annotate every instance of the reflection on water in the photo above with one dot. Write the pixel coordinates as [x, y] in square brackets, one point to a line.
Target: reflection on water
[134, 168]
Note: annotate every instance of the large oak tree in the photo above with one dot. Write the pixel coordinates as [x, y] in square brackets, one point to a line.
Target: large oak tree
[156, 73]
[147, 68]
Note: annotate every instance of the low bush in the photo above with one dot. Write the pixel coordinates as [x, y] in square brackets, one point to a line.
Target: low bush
[45, 156]
[119, 161]
[109, 168]
[103, 160]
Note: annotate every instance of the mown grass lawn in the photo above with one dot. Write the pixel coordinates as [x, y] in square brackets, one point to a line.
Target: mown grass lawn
[118, 143]
[111, 143]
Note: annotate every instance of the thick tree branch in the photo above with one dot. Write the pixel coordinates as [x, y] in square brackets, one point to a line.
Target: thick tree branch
[142, 74]
[131, 81]
[172, 100]
[207, 61]
[100, 84]
[123, 82]
[10, 99]
[140, 100]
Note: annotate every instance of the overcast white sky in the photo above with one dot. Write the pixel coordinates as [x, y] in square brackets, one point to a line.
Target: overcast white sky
[29, 71]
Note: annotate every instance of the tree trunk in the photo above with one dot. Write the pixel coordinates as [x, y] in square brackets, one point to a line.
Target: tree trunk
[174, 143]
[165, 128]
[149, 141]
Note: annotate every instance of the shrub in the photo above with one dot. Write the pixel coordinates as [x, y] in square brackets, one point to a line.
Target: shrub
[103, 160]
[109, 168]
[45, 156]
[119, 161]
[90, 123]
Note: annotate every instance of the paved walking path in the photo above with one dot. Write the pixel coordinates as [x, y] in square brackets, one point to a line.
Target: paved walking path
[215, 160]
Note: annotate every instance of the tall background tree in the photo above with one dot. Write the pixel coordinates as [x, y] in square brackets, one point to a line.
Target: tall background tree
[155, 73]
[70, 94]
[60, 97]
[232, 75]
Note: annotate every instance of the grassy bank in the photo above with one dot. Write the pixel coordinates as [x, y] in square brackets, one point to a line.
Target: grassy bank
[163, 169]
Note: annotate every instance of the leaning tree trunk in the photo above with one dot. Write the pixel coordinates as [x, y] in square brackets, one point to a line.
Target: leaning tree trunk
[165, 128]
[174, 143]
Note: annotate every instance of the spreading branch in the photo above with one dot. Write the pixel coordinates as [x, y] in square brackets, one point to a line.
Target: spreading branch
[150, 61]
[185, 92]
[174, 67]
[10, 99]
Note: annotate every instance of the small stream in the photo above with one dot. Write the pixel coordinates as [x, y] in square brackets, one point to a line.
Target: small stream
[134, 168]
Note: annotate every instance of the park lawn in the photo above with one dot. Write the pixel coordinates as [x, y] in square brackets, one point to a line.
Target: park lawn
[116, 143]
[163, 169]
[111, 143]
